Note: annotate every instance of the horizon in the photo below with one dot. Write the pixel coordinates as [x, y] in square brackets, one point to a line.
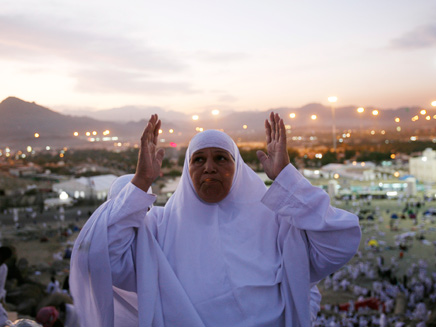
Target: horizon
[193, 57]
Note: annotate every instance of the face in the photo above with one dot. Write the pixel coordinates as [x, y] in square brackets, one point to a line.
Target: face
[211, 171]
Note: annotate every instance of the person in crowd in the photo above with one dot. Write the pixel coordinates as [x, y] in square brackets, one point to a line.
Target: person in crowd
[223, 251]
[5, 254]
[53, 286]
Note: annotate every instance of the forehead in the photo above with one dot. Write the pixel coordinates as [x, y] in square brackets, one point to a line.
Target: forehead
[211, 150]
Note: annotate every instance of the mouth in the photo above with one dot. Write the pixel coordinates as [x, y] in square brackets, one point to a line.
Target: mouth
[210, 180]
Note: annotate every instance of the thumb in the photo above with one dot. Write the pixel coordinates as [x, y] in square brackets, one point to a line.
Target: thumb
[160, 154]
[261, 156]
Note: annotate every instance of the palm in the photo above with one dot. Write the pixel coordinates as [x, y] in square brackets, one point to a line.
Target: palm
[149, 158]
[277, 157]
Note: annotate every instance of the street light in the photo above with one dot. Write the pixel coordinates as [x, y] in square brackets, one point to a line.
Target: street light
[360, 110]
[433, 103]
[333, 100]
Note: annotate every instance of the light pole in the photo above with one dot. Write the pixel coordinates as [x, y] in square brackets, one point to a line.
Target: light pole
[360, 110]
[333, 100]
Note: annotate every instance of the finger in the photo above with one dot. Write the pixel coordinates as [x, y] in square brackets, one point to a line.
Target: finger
[261, 156]
[156, 131]
[273, 125]
[267, 131]
[159, 155]
[277, 125]
[282, 136]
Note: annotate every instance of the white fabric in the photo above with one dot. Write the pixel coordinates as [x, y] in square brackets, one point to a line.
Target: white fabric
[248, 260]
[3, 276]
[71, 316]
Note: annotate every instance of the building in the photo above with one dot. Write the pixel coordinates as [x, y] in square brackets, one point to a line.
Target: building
[423, 168]
[96, 187]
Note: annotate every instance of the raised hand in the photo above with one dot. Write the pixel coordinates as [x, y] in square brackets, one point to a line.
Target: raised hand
[149, 158]
[277, 157]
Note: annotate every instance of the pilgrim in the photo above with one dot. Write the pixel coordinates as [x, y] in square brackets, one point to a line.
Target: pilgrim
[225, 250]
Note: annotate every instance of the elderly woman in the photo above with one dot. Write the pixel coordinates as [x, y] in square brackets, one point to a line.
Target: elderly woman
[224, 250]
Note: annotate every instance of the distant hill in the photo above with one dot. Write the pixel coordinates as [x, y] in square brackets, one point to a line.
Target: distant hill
[19, 120]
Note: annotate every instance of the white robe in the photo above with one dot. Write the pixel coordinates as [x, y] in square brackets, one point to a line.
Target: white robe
[197, 264]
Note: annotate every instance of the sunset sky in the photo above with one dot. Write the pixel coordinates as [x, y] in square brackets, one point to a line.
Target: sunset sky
[232, 55]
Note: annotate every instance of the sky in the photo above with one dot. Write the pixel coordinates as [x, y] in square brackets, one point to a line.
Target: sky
[192, 56]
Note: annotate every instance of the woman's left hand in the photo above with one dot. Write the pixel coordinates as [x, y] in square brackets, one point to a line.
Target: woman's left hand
[277, 157]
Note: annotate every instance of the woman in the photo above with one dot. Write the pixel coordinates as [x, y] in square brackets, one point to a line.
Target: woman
[224, 250]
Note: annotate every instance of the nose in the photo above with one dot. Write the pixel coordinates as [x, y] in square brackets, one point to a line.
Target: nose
[209, 166]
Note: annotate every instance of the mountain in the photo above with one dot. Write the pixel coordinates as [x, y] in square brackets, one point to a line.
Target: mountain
[129, 114]
[20, 120]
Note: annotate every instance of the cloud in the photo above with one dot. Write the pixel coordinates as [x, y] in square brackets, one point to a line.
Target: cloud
[22, 37]
[104, 81]
[227, 98]
[220, 57]
[421, 37]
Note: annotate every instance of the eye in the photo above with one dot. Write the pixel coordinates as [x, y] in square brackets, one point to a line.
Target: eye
[197, 159]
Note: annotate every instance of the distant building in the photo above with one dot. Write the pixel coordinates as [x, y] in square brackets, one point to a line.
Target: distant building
[86, 187]
[359, 171]
[423, 168]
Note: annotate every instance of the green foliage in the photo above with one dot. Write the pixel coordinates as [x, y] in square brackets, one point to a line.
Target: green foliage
[376, 157]
[329, 157]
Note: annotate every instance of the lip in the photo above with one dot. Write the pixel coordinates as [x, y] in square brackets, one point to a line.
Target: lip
[210, 180]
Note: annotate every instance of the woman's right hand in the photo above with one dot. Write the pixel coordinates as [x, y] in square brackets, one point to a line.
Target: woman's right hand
[149, 158]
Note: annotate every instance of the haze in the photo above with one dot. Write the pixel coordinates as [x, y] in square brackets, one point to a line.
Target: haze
[237, 55]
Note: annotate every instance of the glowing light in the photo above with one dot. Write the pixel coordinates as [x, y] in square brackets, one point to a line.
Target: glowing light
[173, 144]
[313, 117]
[433, 103]
[171, 131]
[215, 112]
[47, 148]
[61, 155]
[333, 99]
[160, 131]
[8, 150]
[106, 132]
[244, 126]
[63, 195]
[415, 118]
[360, 110]
[413, 138]
[383, 132]
[76, 134]
[199, 129]
[423, 112]
[428, 118]
[195, 117]
[434, 117]
[29, 148]
[292, 115]
[336, 176]
[397, 174]
[398, 129]
[36, 135]
[372, 132]
[393, 156]
[375, 112]
[88, 134]
[397, 120]
[354, 163]
[363, 164]
[94, 132]
[392, 193]
[318, 155]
